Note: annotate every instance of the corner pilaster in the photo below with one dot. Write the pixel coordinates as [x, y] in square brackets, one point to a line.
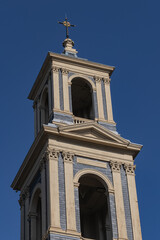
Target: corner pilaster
[22, 203]
[130, 172]
[108, 99]
[26, 193]
[51, 156]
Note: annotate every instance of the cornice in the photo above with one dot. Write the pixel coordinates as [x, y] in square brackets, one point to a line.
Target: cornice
[49, 132]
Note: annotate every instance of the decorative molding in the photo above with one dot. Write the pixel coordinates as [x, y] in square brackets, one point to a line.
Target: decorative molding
[84, 171]
[23, 196]
[67, 157]
[130, 169]
[26, 192]
[97, 79]
[21, 200]
[34, 105]
[106, 80]
[55, 69]
[52, 154]
[115, 166]
[64, 71]
[76, 184]
[78, 75]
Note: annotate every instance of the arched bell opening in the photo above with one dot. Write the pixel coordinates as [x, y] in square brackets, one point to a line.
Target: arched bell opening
[44, 107]
[35, 214]
[82, 98]
[94, 208]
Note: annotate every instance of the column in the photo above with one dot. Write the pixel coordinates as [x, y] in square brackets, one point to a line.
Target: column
[55, 88]
[133, 201]
[108, 99]
[99, 98]
[69, 189]
[33, 219]
[22, 203]
[65, 90]
[53, 187]
[121, 221]
[26, 213]
[43, 196]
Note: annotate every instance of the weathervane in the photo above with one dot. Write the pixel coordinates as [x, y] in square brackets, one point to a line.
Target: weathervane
[67, 25]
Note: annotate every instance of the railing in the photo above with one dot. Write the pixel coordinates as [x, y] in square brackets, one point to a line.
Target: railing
[78, 120]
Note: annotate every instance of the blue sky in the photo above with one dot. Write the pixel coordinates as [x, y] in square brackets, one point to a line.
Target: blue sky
[124, 34]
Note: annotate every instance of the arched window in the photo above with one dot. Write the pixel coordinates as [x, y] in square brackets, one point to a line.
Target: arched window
[44, 107]
[36, 216]
[94, 209]
[82, 98]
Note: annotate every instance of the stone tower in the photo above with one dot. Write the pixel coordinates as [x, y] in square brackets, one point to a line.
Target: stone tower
[77, 180]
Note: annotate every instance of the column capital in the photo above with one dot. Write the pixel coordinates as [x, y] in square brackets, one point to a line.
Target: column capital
[26, 192]
[64, 71]
[21, 200]
[54, 69]
[115, 166]
[106, 80]
[51, 154]
[34, 105]
[130, 169]
[97, 79]
[67, 157]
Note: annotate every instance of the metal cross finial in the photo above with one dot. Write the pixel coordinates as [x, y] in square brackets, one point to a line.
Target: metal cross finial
[67, 25]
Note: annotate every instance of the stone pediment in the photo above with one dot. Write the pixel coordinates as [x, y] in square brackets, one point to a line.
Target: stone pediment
[93, 131]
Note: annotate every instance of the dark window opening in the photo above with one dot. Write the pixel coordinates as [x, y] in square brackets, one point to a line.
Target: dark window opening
[82, 99]
[94, 210]
[44, 109]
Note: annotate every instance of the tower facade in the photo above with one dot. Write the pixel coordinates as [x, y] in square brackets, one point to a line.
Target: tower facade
[78, 178]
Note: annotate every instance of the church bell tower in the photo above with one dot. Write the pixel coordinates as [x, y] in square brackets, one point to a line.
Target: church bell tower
[78, 179]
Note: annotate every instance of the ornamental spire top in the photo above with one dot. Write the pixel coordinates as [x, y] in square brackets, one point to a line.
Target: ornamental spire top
[67, 25]
[68, 43]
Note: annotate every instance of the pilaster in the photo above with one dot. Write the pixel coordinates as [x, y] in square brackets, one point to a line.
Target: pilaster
[99, 98]
[33, 219]
[108, 99]
[69, 190]
[65, 90]
[51, 156]
[26, 193]
[130, 169]
[44, 196]
[121, 221]
[22, 204]
[55, 87]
